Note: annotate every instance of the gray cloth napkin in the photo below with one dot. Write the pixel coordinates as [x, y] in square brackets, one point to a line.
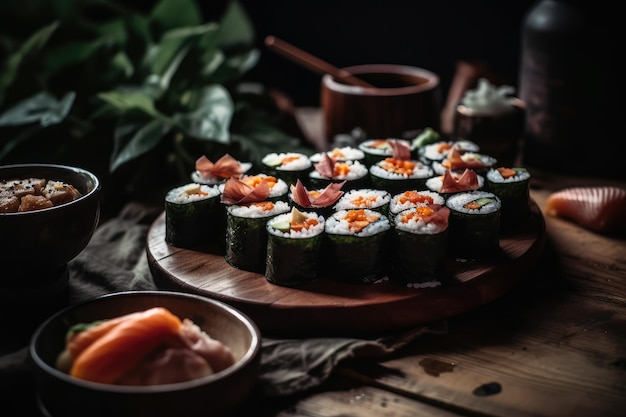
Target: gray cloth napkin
[115, 260]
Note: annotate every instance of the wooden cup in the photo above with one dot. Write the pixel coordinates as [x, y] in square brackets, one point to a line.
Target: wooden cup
[405, 100]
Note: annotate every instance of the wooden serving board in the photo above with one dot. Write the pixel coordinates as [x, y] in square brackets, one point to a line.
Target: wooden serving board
[328, 307]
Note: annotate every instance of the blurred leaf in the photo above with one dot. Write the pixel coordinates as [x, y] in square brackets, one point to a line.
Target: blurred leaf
[211, 118]
[236, 28]
[171, 14]
[146, 138]
[43, 108]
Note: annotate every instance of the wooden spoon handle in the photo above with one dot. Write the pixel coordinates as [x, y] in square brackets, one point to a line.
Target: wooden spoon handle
[312, 62]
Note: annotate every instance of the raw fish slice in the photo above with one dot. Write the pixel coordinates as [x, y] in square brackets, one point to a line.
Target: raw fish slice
[326, 197]
[238, 192]
[602, 209]
[117, 351]
[225, 167]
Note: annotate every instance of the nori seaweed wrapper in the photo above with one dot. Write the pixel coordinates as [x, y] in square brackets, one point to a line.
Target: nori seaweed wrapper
[515, 197]
[292, 261]
[396, 186]
[357, 259]
[193, 224]
[246, 242]
[420, 257]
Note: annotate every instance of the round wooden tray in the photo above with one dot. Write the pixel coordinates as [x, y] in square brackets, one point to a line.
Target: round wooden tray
[328, 307]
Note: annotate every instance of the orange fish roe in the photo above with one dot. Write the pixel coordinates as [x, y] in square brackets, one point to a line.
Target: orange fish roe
[363, 201]
[254, 181]
[417, 214]
[310, 222]
[414, 197]
[341, 169]
[507, 172]
[398, 166]
[314, 193]
[288, 159]
[264, 205]
[472, 205]
[337, 154]
[358, 220]
[379, 143]
[444, 147]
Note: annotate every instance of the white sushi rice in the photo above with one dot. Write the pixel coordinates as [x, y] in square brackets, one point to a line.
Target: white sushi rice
[435, 183]
[436, 151]
[256, 212]
[293, 234]
[337, 224]
[419, 171]
[192, 192]
[415, 224]
[347, 153]
[299, 162]
[372, 197]
[397, 205]
[357, 171]
[457, 202]
[494, 175]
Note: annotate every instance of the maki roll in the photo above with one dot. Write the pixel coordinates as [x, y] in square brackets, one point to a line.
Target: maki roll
[320, 201]
[457, 160]
[378, 149]
[352, 173]
[474, 224]
[438, 151]
[365, 198]
[192, 214]
[452, 182]
[226, 167]
[288, 166]
[356, 244]
[246, 233]
[293, 248]
[421, 245]
[413, 198]
[343, 153]
[512, 186]
[399, 172]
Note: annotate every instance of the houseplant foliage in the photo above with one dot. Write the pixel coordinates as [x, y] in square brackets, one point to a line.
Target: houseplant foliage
[132, 91]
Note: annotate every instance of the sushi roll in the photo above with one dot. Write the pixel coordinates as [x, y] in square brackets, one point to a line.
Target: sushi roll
[414, 198]
[378, 149]
[438, 151]
[452, 182]
[343, 153]
[226, 167]
[365, 198]
[474, 224]
[356, 245]
[320, 201]
[352, 173]
[397, 175]
[288, 166]
[192, 214]
[246, 233]
[512, 186]
[399, 172]
[421, 245]
[478, 162]
[293, 248]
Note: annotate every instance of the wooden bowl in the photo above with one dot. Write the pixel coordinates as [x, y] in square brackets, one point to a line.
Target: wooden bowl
[405, 100]
[60, 394]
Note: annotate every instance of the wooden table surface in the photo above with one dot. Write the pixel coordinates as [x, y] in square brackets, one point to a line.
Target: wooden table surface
[554, 345]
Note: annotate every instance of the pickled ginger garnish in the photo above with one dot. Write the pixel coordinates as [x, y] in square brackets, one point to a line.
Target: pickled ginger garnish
[467, 181]
[400, 150]
[225, 167]
[238, 192]
[316, 199]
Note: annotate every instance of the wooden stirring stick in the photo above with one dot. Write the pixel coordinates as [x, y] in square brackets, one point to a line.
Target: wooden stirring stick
[312, 62]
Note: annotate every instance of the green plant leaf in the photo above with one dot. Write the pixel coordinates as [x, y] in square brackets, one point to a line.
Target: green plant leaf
[236, 27]
[210, 120]
[146, 138]
[125, 101]
[43, 108]
[171, 14]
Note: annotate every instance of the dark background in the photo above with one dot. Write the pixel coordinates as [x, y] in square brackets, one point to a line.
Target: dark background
[434, 35]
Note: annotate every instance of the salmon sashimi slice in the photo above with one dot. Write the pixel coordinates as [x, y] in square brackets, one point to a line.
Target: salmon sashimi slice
[602, 208]
[118, 350]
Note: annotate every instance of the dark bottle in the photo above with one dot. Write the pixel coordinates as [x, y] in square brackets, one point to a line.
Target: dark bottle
[568, 80]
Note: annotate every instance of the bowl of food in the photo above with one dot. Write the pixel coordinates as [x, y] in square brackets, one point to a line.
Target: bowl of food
[48, 214]
[145, 353]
